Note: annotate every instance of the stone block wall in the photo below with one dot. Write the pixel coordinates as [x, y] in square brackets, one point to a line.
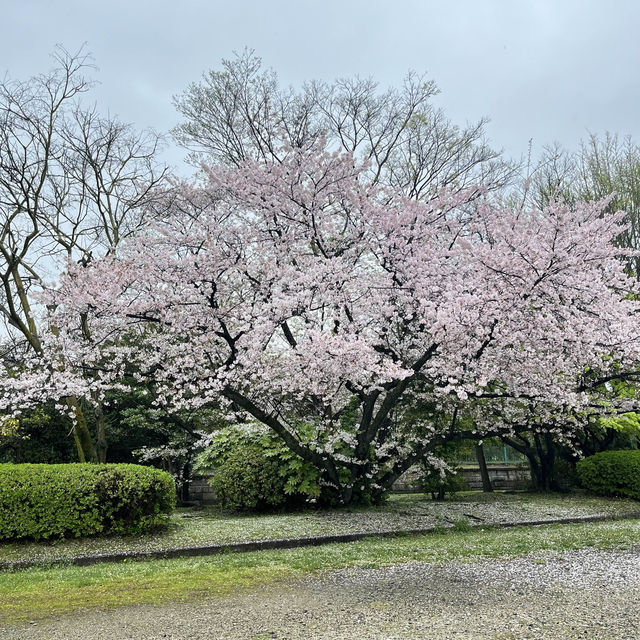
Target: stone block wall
[200, 490]
[503, 476]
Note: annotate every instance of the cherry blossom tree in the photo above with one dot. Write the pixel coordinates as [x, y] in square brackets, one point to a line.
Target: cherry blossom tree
[354, 321]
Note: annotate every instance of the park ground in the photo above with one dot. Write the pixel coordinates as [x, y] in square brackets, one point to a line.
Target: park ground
[463, 581]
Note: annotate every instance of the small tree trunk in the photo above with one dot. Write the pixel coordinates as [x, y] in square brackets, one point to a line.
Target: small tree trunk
[549, 464]
[537, 475]
[484, 472]
[82, 436]
[101, 424]
[186, 481]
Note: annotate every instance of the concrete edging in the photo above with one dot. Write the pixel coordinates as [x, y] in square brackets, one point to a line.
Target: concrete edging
[287, 543]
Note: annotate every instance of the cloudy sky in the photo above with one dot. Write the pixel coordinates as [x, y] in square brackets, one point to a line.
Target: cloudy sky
[547, 70]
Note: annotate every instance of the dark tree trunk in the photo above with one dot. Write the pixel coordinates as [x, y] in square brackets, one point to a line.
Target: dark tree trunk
[547, 458]
[101, 429]
[186, 477]
[541, 456]
[484, 472]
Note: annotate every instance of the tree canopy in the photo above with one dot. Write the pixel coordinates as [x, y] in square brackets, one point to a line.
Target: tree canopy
[305, 293]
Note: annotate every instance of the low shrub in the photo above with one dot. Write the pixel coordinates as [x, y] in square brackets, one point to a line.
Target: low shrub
[612, 473]
[247, 479]
[253, 469]
[440, 482]
[440, 474]
[56, 500]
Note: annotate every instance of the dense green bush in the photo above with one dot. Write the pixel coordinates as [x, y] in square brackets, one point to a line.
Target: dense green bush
[55, 500]
[248, 479]
[253, 469]
[612, 473]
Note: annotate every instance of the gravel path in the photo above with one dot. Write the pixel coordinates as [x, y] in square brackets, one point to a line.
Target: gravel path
[555, 596]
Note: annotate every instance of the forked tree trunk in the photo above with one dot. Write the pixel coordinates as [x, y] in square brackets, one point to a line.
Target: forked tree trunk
[81, 434]
[541, 456]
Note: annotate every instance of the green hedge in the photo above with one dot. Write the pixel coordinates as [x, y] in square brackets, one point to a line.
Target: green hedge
[55, 500]
[612, 473]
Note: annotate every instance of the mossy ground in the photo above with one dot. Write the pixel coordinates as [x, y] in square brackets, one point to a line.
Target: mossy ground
[401, 512]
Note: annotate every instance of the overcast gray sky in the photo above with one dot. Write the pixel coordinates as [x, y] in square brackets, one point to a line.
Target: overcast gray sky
[542, 69]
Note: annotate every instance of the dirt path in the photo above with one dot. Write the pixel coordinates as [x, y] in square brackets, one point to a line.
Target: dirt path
[579, 594]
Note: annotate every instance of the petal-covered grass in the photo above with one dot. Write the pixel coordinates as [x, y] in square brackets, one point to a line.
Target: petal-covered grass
[39, 593]
[415, 511]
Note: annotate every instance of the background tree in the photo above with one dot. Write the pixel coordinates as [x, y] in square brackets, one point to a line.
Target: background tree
[240, 113]
[144, 433]
[39, 435]
[552, 437]
[604, 166]
[73, 183]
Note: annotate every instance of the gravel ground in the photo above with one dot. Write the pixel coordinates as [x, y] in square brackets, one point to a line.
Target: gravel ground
[578, 594]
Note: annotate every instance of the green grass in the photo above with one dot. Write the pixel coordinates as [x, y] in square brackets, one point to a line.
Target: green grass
[212, 526]
[38, 593]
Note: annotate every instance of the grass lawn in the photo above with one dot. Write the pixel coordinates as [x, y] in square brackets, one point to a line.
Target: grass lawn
[38, 593]
[212, 526]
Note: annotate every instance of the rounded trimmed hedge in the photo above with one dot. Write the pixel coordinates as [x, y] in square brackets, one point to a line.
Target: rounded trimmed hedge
[248, 479]
[56, 500]
[612, 473]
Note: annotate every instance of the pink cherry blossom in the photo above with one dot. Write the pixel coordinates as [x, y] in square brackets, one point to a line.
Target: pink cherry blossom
[299, 291]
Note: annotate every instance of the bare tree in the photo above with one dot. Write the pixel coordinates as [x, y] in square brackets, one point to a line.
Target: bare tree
[240, 112]
[603, 166]
[72, 184]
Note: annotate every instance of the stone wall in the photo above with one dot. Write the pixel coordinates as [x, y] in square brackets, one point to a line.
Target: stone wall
[200, 491]
[503, 476]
